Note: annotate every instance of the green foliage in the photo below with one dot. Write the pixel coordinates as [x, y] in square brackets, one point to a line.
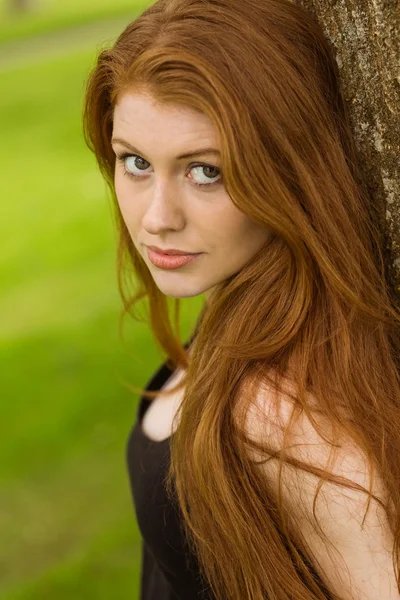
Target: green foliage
[66, 506]
[67, 526]
[52, 15]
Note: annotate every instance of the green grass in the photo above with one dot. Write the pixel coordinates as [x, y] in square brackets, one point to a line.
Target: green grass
[52, 15]
[67, 526]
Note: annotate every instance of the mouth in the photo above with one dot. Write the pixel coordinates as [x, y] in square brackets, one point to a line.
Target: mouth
[172, 252]
[170, 261]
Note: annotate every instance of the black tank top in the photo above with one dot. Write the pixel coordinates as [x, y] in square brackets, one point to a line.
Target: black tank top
[169, 571]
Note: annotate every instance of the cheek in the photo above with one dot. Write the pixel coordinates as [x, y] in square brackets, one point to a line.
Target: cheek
[252, 235]
[239, 226]
[120, 185]
[123, 195]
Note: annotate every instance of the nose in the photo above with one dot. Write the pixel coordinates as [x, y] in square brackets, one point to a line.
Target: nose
[164, 211]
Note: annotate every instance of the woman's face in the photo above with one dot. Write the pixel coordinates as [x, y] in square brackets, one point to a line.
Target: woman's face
[163, 206]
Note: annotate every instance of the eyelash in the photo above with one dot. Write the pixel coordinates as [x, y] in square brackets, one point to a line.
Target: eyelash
[121, 158]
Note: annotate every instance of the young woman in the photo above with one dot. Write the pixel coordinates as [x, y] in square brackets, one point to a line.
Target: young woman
[265, 460]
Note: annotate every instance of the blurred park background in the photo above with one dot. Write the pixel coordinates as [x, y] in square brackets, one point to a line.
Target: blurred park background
[67, 526]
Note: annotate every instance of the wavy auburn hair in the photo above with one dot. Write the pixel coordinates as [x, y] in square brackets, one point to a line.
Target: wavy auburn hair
[314, 302]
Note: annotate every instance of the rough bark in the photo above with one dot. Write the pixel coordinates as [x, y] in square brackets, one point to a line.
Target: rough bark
[20, 6]
[365, 35]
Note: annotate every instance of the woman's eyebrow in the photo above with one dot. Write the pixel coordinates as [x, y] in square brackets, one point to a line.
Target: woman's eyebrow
[181, 157]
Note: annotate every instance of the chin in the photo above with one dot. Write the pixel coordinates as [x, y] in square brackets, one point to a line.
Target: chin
[182, 296]
[175, 292]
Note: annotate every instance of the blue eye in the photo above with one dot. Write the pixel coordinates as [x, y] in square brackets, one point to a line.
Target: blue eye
[138, 162]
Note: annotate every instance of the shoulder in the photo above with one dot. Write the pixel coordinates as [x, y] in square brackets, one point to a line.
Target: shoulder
[279, 421]
[356, 538]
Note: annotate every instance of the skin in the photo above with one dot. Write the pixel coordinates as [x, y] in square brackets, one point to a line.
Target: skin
[163, 207]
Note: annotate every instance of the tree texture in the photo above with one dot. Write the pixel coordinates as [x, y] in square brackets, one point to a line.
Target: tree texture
[365, 35]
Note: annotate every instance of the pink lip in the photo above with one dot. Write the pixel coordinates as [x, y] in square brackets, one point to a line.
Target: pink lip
[166, 261]
[171, 251]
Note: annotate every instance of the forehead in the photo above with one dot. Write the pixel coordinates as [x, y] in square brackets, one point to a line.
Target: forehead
[140, 116]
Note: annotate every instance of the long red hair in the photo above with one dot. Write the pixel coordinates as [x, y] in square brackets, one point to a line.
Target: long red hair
[315, 296]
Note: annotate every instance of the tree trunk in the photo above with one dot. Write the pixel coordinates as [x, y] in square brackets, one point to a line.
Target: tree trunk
[19, 6]
[365, 35]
